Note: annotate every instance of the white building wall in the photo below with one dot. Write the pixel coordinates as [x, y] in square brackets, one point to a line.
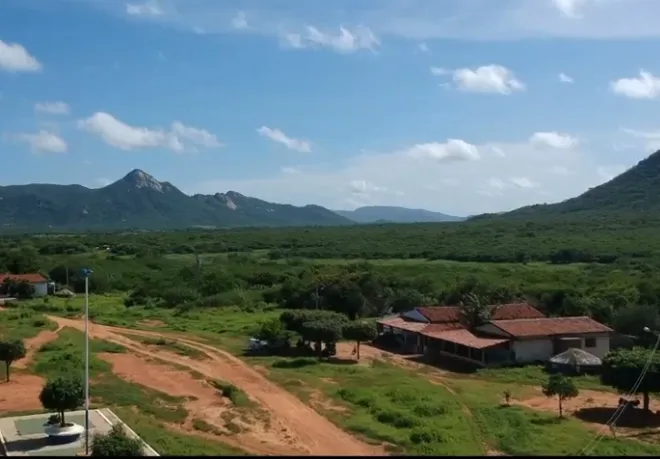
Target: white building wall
[40, 289]
[602, 346]
[529, 351]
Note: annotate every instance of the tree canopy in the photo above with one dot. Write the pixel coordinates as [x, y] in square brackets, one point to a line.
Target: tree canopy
[10, 351]
[63, 394]
[562, 387]
[622, 368]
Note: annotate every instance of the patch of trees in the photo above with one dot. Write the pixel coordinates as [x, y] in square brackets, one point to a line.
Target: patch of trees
[317, 330]
[11, 351]
[17, 289]
[623, 367]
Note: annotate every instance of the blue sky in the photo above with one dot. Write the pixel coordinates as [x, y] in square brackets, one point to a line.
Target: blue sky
[459, 106]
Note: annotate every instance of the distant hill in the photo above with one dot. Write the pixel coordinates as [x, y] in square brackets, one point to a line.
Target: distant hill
[139, 201]
[636, 190]
[385, 214]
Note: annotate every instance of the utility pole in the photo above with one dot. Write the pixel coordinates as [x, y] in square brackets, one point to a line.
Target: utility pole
[86, 272]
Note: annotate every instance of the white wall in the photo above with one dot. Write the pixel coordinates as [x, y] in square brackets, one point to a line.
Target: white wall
[602, 346]
[40, 289]
[529, 351]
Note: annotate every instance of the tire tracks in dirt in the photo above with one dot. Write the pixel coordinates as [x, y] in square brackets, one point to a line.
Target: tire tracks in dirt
[313, 434]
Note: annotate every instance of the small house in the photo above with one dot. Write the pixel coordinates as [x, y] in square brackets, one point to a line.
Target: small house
[38, 282]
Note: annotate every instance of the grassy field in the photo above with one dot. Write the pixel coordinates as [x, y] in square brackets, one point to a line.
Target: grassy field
[387, 403]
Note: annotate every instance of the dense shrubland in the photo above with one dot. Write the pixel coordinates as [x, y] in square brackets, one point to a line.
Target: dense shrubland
[252, 268]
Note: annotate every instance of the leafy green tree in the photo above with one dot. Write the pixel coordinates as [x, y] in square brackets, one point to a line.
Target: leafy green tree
[63, 394]
[360, 331]
[116, 443]
[321, 332]
[622, 367]
[272, 331]
[474, 311]
[562, 387]
[10, 351]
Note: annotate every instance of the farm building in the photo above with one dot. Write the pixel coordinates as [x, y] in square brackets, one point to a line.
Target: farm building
[39, 282]
[515, 333]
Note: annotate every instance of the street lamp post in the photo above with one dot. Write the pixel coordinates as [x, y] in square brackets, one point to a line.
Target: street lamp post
[86, 273]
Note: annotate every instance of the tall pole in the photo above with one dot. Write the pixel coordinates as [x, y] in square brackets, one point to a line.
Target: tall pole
[87, 273]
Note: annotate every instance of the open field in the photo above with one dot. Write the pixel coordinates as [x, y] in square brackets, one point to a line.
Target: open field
[195, 397]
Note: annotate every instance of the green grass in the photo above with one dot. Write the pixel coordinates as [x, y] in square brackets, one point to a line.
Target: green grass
[406, 409]
[23, 323]
[227, 326]
[535, 375]
[518, 430]
[233, 393]
[170, 442]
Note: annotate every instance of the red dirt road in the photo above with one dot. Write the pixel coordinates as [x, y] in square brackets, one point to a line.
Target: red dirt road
[306, 431]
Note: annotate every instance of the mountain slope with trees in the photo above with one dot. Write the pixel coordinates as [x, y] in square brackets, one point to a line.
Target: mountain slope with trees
[139, 201]
[391, 214]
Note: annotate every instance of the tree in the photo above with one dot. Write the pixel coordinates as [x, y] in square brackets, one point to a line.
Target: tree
[10, 351]
[622, 367]
[326, 331]
[116, 443]
[474, 311]
[360, 332]
[62, 394]
[562, 387]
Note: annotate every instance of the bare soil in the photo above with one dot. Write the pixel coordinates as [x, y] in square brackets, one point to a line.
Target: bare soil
[303, 431]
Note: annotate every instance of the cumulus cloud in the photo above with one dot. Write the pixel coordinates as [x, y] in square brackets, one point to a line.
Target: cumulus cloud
[53, 108]
[239, 21]
[179, 138]
[43, 141]
[553, 140]
[492, 79]
[441, 176]
[345, 41]
[563, 78]
[280, 137]
[646, 86]
[148, 8]
[569, 8]
[15, 58]
[451, 150]
[651, 139]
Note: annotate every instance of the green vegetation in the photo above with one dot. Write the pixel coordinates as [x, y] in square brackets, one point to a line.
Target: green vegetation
[61, 394]
[622, 367]
[562, 387]
[116, 443]
[10, 351]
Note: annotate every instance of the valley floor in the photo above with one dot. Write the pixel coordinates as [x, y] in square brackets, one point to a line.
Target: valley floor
[187, 392]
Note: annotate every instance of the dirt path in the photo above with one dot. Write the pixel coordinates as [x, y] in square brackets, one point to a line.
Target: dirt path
[204, 404]
[21, 393]
[309, 432]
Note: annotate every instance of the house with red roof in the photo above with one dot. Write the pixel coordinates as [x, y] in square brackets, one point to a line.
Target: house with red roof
[39, 282]
[515, 333]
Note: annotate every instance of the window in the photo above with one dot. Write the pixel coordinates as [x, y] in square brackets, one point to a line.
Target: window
[590, 342]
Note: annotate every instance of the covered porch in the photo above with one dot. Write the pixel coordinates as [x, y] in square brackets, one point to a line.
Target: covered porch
[464, 345]
[402, 334]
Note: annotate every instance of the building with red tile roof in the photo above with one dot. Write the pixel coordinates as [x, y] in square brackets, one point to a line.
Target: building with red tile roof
[39, 282]
[515, 333]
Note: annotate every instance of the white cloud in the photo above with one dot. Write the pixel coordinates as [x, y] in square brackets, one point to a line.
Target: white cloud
[43, 141]
[422, 20]
[563, 78]
[607, 173]
[101, 181]
[423, 47]
[346, 41]
[280, 137]
[53, 108]
[528, 174]
[239, 21]
[553, 140]
[452, 150]
[646, 86]
[15, 58]
[493, 79]
[569, 8]
[116, 133]
[148, 8]
[290, 170]
[651, 139]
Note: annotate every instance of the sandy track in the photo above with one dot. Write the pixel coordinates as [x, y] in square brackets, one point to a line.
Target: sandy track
[32, 345]
[312, 434]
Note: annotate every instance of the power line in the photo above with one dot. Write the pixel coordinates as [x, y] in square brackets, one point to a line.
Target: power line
[621, 408]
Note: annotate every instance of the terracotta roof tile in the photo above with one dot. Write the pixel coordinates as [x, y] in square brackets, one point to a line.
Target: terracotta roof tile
[401, 324]
[443, 314]
[33, 278]
[550, 326]
[465, 338]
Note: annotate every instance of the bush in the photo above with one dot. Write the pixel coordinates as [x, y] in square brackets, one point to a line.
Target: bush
[116, 443]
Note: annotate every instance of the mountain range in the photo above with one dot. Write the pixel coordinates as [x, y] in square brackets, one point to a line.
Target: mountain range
[139, 201]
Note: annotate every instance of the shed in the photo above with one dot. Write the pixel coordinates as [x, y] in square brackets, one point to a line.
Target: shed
[575, 360]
